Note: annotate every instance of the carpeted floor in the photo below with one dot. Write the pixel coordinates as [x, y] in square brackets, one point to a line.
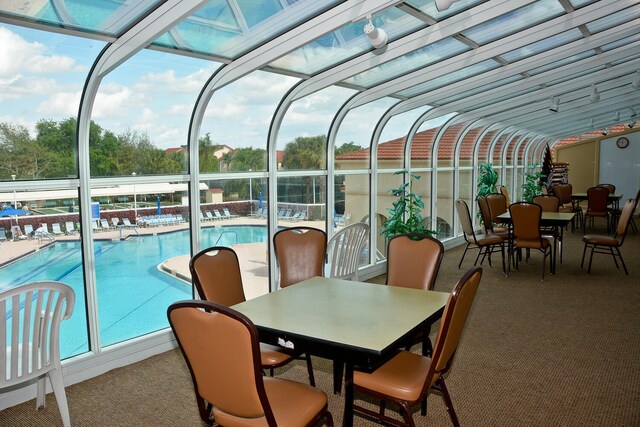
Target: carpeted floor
[565, 351]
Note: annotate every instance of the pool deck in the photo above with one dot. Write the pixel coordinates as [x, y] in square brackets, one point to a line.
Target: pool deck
[253, 256]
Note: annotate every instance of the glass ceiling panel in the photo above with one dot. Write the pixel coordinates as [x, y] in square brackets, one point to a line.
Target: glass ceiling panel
[622, 42]
[512, 22]
[614, 19]
[96, 16]
[579, 3]
[427, 55]
[561, 62]
[542, 45]
[429, 7]
[463, 73]
[576, 75]
[493, 101]
[346, 42]
[627, 59]
[480, 89]
[222, 30]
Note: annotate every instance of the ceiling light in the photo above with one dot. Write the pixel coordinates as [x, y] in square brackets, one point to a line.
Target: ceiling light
[631, 124]
[605, 131]
[633, 113]
[377, 36]
[595, 96]
[555, 104]
[636, 82]
[616, 116]
[443, 5]
[591, 123]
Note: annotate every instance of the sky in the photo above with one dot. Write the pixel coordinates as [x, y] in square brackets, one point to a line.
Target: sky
[42, 75]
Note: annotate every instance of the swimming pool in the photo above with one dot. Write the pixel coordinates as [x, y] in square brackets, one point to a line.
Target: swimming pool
[132, 294]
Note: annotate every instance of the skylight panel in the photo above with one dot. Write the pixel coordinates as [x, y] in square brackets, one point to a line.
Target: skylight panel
[514, 21]
[580, 3]
[447, 79]
[493, 101]
[346, 42]
[423, 57]
[570, 77]
[480, 89]
[429, 8]
[627, 59]
[619, 43]
[542, 45]
[561, 62]
[614, 19]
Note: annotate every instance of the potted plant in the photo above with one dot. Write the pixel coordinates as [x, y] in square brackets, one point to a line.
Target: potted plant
[486, 182]
[404, 215]
[533, 182]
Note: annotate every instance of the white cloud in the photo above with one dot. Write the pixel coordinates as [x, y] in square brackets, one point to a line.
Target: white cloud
[167, 81]
[116, 101]
[62, 105]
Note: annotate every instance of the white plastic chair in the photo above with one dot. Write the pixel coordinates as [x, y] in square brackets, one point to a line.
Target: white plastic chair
[344, 250]
[30, 317]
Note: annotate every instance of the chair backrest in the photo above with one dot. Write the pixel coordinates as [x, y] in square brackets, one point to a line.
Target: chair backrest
[465, 218]
[222, 350]
[300, 254]
[505, 193]
[497, 205]
[625, 218]
[28, 228]
[30, 317]
[344, 250]
[486, 216]
[563, 192]
[597, 198]
[69, 226]
[216, 274]
[548, 203]
[610, 187]
[526, 220]
[452, 324]
[413, 261]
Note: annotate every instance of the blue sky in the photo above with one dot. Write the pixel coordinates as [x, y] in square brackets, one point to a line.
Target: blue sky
[42, 74]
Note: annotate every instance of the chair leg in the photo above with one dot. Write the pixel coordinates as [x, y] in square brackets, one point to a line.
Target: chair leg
[312, 380]
[613, 255]
[590, 259]
[447, 402]
[584, 252]
[338, 371]
[463, 255]
[504, 268]
[40, 392]
[622, 261]
[55, 376]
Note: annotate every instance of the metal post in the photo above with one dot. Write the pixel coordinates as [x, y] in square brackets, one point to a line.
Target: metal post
[250, 195]
[135, 202]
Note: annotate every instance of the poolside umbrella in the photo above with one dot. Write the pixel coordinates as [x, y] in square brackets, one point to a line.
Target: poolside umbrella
[12, 212]
[158, 205]
[260, 200]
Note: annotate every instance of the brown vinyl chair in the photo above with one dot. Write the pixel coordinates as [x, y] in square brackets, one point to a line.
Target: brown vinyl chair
[221, 348]
[607, 244]
[484, 243]
[564, 192]
[413, 261]
[300, 254]
[489, 227]
[597, 198]
[497, 206]
[548, 203]
[407, 378]
[505, 193]
[526, 231]
[217, 278]
[610, 187]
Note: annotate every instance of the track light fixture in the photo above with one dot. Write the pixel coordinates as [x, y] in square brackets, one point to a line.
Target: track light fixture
[633, 115]
[377, 36]
[591, 123]
[443, 5]
[555, 104]
[631, 124]
[616, 116]
[595, 95]
[636, 82]
[605, 131]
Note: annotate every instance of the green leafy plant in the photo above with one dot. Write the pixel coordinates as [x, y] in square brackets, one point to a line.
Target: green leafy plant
[486, 182]
[404, 215]
[533, 182]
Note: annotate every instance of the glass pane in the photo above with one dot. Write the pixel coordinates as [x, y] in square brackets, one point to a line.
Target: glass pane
[386, 182]
[613, 19]
[455, 76]
[429, 7]
[622, 42]
[561, 62]
[43, 243]
[41, 78]
[302, 201]
[97, 16]
[465, 189]
[570, 77]
[221, 30]
[542, 45]
[422, 145]
[468, 144]
[447, 145]
[483, 149]
[142, 114]
[142, 247]
[497, 150]
[352, 204]
[234, 214]
[427, 55]
[422, 187]
[444, 221]
[514, 21]
[479, 89]
[346, 42]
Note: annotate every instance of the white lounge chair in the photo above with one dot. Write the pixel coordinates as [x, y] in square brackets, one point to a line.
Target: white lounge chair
[217, 214]
[105, 224]
[55, 228]
[228, 214]
[127, 223]
[70, 227]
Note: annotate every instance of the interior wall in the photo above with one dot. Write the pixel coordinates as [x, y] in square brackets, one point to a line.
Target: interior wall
[621, 166]
[583, 159]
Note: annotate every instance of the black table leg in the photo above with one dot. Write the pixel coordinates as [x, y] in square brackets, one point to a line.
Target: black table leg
[338, 368]
[348, 395]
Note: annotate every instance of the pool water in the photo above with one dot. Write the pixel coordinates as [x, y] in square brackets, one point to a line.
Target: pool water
[132, 294]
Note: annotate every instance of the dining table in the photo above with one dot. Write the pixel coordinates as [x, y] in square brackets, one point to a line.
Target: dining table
[356, 323]
[556, 220]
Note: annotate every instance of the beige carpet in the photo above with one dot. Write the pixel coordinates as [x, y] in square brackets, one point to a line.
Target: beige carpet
[565, 351]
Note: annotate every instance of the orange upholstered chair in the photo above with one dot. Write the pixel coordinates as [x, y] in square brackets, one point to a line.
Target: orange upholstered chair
[607, 244]
[300, 254]
[597, 198]
[497, 206]
[217, 278]
[407, 378]
[526, 231]
[489, 227]
[547, 203]
[485, 243]
[222, 350]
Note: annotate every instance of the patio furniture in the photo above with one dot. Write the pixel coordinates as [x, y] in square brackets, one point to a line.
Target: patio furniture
[217, 214]
[229, 386]
[28, 230]
[31, 314]
[127, 223]
[105, 224]
[344, 250]
[208, 216]
[55, 228]
[228, 214]
[70, 227]
[3, 234]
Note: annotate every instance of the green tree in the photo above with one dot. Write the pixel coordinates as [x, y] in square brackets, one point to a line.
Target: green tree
[208, 161]
[347, 147]
[20, 155]
[307, 153]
